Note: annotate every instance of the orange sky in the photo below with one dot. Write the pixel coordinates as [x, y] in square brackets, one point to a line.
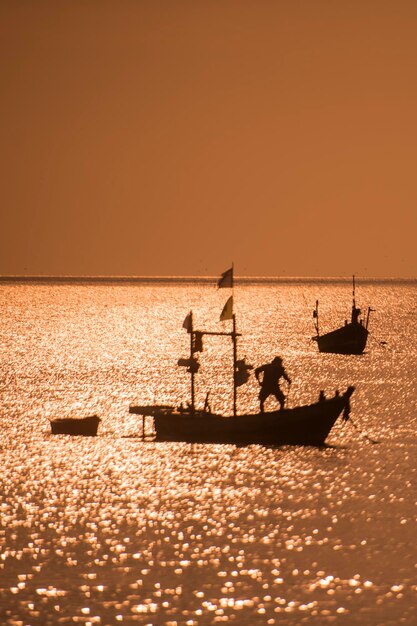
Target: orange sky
[171, 137]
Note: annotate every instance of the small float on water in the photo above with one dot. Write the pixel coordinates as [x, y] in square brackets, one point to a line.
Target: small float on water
[348, 339]
[86, 426]
[307, 425]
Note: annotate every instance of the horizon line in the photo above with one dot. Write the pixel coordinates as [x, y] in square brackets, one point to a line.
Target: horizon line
[203, 279]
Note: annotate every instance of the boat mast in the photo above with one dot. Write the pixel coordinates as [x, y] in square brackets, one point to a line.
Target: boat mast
[316, 317]
[353, 291]
[355, 312]
[234, 339]
[191, 367]
[197, 346]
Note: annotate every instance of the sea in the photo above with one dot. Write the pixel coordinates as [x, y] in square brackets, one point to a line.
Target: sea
[115, 529]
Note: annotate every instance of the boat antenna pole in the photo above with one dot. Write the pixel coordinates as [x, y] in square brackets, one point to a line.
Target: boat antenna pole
[367, 316]
[353, 291]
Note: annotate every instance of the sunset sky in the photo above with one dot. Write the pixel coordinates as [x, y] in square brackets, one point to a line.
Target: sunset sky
[172, 137]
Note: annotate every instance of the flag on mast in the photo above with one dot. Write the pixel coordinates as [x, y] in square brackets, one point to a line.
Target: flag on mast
[226, 279]
[227, 313]
[187, 323]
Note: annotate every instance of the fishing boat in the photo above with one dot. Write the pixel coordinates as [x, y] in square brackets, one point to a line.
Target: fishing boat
[302, 425]
[86, 426]
[307, 425]
[348, 339]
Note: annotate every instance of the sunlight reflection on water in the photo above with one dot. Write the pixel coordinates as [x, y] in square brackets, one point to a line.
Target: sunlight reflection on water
[111, 529]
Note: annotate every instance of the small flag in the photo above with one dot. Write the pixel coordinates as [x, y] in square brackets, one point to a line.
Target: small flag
[188, 323]
[227, 313]
[226, 279]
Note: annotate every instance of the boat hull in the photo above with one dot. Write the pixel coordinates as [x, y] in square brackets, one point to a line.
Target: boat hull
[349, 339]
[305, 425]
[86, 426]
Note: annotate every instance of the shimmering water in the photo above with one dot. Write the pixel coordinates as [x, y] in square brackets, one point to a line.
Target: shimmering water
[112, 529]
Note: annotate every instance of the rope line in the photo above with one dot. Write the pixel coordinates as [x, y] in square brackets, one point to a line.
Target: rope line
[364, 435]
[379, 342]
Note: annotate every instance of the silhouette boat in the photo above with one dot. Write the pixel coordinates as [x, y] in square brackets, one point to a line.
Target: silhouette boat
[348, 339]
[302, 425]
[86, 426]
[307, 425]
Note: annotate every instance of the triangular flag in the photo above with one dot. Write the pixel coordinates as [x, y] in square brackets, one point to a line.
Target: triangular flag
[226, 279]
[187, 323]
[227, 313]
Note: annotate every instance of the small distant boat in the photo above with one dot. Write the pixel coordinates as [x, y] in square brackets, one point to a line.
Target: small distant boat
[303, 425]
[86, 426]
[348, 339]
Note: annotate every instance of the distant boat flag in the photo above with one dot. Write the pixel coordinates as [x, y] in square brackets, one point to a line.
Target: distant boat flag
[188, 323]
[227, 313]
[226, 279]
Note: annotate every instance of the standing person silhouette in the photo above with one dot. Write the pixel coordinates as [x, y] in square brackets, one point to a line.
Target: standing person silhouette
[272, 372]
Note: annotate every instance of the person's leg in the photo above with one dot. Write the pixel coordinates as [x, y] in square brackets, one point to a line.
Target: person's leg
[262, 397]
[280, 397]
